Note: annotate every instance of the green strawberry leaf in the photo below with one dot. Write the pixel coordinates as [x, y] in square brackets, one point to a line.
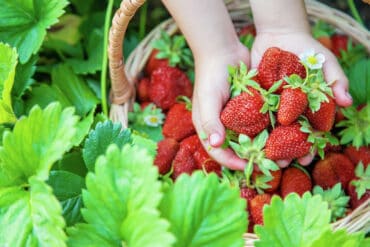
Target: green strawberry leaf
[75, 89]
[295, 221]
[336, 199]
[66, 30]
[356, 126]
[95, 48]
[41, 139]
[145, 143]
[35, 214]
[359, 82]
[67, 187]
[72, 162]
[341, 238]
[8, 62]
[195, 206]
[322, 29]
[362, 184]
[100, 138]
[24, 23]
[121, 202]
[23, 77]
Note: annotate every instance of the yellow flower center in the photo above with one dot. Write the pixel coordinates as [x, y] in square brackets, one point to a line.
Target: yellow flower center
[312, 60]
[153, 119]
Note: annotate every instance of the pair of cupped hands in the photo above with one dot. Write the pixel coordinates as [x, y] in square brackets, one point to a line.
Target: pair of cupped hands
[211, 90]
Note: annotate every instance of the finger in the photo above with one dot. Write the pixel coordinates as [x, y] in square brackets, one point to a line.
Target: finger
[283, 163]
[306, 160]
[206, 116]
[334, 73]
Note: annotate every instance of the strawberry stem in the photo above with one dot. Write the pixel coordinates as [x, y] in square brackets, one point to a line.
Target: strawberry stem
[248, 171]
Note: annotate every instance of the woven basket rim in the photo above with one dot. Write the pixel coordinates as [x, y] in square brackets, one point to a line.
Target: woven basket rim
[133, 67]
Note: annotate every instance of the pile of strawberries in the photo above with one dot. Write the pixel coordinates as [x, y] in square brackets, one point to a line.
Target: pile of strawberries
[284, 110]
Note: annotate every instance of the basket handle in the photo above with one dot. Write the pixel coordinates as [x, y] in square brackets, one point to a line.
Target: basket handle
[122, 89]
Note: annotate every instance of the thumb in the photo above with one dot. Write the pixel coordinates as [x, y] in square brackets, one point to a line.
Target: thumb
[334, 73]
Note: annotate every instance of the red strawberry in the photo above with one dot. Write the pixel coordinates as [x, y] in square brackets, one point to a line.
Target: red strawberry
[166, 84]
[287, 142]
[248, 194]
[273, 184]
[242, 113]
[276, 64]
[143, 88]
[357, 155]
[204, 161]
[167, 149]
[154, 63]
[293, 102]
[178, 123]
[326, 41]
[248, 29]
[324, 118]
[354, 200]
[295, 180]
[184, 161]
[334, 168]
[256, 207]
[339, 42]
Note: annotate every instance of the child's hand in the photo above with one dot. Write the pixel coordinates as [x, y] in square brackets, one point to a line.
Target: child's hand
[211, 93]
[299, 42]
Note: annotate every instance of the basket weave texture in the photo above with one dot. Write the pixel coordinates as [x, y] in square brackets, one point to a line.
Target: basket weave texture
[125, 75]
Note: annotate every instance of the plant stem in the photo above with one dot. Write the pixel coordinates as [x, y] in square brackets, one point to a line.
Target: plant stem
[354, 11]
[143, 15]
[103, 78]
[248, 171]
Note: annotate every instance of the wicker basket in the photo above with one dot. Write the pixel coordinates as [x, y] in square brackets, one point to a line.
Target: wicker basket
[124, 76]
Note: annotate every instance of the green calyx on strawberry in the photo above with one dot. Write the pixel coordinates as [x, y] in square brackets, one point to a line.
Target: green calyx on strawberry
[362, 183]
[356, 126]
[174, 49]
[239, 78]
[252, 150]
[319, 139]
[336, 199]
[151, 116]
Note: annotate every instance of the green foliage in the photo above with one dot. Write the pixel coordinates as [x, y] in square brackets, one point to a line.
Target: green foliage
[35, 214]
[355, 127]
[121, 202]
[293, 222]
[24, 22]
[100, 138]
[359, 82]
[8, 62]
[195, 206]
[362, 184]
[341, 238]
[41, 139]
[336, 199]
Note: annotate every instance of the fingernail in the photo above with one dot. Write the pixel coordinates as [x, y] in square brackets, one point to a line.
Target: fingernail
[214, 139]
[349, 96]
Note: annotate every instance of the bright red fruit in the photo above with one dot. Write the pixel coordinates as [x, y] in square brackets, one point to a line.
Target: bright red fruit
[184, 161]
[294, 180]
[154, 63]
[166, 84]
[205, 162]
[248, 194]
[249, 29]
[167, 149]
[357, 155]
[339, 42]
[276, 64]
[334, 168]
[143, 88]
[274, 183]
[326, 41]
[242, 114]
[293, 102]
[324, 118]
[256, 207]
[178, 123]
[287, 142]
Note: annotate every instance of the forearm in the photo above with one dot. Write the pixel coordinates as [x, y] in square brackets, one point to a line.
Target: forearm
[206, 24]
[283, 16]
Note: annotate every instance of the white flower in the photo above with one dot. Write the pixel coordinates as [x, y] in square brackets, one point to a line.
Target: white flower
[312, 60]
[153, 120]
